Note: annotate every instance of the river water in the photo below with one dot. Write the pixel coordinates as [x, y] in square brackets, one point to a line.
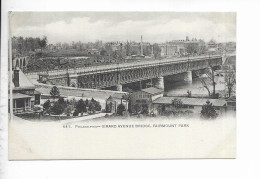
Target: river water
[175, 88]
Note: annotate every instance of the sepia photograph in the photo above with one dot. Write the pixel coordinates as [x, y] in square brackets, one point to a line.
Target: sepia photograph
[121, 85]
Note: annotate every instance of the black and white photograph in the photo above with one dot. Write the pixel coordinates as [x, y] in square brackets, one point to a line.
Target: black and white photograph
[84, 77]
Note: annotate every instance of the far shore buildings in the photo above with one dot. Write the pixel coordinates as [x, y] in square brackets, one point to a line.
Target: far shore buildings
[177, 47]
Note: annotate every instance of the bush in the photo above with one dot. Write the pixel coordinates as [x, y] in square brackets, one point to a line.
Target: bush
[62, 102]
[120, 109]
[208, 111]
[55, 93]
[47, 105]
[57, 108]
[75, 113]
[97, 106]
[81, 106]
[145, 109]
[92, 107]
[126, 114]
[68, 110]
[136, 108]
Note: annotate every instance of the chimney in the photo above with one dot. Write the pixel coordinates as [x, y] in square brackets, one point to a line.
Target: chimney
[16, 77]
[141, 45]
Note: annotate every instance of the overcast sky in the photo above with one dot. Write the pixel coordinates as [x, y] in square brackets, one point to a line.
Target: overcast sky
[122, 26]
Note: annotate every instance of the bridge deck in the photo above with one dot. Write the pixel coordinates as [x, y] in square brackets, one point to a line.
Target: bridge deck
[125, 66]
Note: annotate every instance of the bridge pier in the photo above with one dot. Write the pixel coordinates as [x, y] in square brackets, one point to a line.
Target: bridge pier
[188, 76]
[73, 80]
[119, 87]
[159, 82]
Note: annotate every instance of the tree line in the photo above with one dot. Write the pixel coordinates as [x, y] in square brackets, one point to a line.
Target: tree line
[24, 45]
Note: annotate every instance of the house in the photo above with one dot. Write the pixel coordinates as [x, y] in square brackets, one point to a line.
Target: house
[114, 100]
[194, 104]
[145, 97]
[24, 96]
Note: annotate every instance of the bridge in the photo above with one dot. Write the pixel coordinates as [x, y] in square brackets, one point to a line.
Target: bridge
[116, 75]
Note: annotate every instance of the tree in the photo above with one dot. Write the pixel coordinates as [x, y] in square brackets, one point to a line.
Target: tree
[177, 103]
[137, 108]
[87, 102]
[177, 107]
[75, 113]
[120, 109]
[156, 51]
[91, 107]
[43, 42]
[192, 48]
[209, 81]
[62, 102]
[103, 52]
[128, 49]
[55, 93]
[57, 108]
[230, 81]
[68, 110]
[208, 111]
[46, 106]
[97, 106]
[145, 109]
[81, 106]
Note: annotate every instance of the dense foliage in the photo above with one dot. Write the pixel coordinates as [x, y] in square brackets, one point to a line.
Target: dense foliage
[55, 93]
[120, 109]
[208, 111]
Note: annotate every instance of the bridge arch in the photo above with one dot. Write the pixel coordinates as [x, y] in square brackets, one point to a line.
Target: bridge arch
[21, 63]
[24, 62]
[17, 63]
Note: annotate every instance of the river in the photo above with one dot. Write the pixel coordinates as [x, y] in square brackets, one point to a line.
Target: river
[173, 88]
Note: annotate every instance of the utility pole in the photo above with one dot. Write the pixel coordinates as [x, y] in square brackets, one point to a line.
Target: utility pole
[141, 45]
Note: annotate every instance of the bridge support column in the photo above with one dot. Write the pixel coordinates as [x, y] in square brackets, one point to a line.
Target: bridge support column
[159, 83]
[188, 76]
[119, 87]
[72, 80]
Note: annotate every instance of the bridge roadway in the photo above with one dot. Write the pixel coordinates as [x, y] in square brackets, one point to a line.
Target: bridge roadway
[120, 66]
[116, 75]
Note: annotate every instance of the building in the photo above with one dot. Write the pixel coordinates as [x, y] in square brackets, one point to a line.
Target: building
[178, 47]
[114, 100]
[24, 96]
[194, 104]
[145, 97]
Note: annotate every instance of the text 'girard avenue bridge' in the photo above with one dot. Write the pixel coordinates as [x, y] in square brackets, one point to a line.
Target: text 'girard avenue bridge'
[116, 75]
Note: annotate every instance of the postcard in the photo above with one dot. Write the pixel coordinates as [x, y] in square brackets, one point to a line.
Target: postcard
[122, 85]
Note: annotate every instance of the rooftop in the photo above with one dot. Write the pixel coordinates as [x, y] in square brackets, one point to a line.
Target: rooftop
[78, 92]
[20, 96]
[24, 82]
[190, 101]
[153, 90]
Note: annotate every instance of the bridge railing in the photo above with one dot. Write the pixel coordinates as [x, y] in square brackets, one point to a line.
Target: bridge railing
[121, 67]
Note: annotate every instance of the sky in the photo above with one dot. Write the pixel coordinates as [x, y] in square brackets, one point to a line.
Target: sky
[155, 27]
